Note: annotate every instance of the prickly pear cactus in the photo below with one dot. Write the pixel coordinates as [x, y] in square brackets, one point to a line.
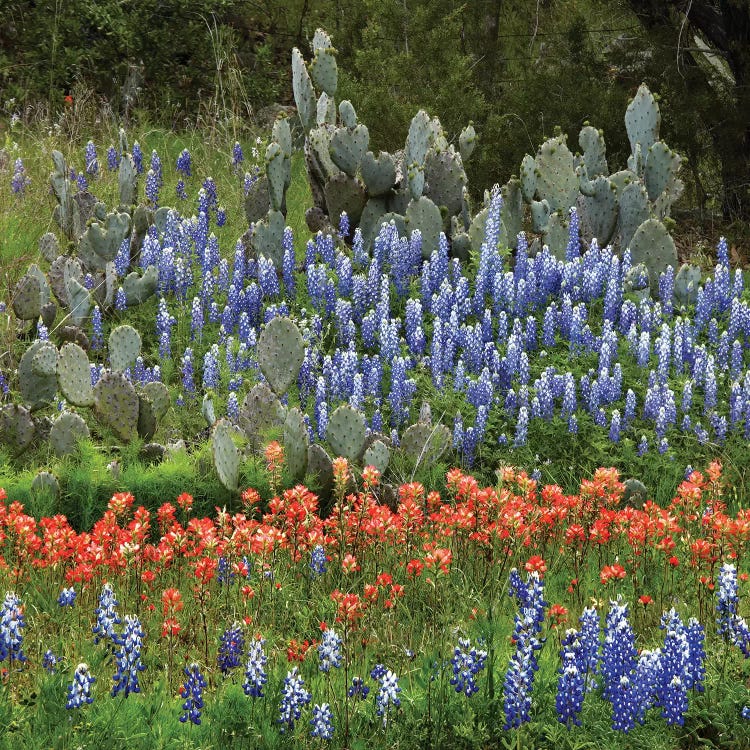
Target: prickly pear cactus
[320, 466]
[591, 141]
[686, 283]
[278, 172]
[346, 432]
[417, 143]
[49, 247]
[124, 346]
[36, 374]
[635, 493]
[139, 288]
[74, 375]
[348, 148]
[642, 122]
[79, 300]
[66, 213]
[424, 215]
[296, 444]
[660, 177]
[467, 141]
[67, 430]
[116, 404]
[27, 298]
[267, 235]
[377, 455]
[653, 246]
[260, 411]
[344, 194]
[280, 353]
[16, 427]
[146, 418]
[101, 241]
[379, 174]
[45, 483]
[225, 454]
[556, 180]
[158, 394]
[304, 93]
[634, 211]
[426, 443]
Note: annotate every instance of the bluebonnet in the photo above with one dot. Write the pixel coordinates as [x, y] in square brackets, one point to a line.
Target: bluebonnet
[67, 597]
[20, 180]
[211, 372]
[571, 684]
[156, 167]
[388, 691]
[255, 672]
[128, 657]
[120, 300]
[184, 163]
[467, 661]
[322, 719]
[317, 561]
[50, 661]
[329, 650]
[106, 615]
[137, 155]
[12, 622]
[79, 691]
[293, 697]
[358, 689]
[522, 427]
[231, 648]
[192, 692]
[589, 640]
[673, 678]
[237, 156]
[730, 625]
[523, 663]
[90, 157]
[112, 159]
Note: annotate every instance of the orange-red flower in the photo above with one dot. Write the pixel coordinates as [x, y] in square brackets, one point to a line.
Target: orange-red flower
[536, 564]
[612, 572]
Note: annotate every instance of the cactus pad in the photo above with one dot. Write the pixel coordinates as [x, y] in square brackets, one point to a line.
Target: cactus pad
[424, 443]
[320, 466]
[653, 246]
[591, 141]
[124, 346]
[158, 394]
[45, 483]
[80, 301]
[377, 455]
[267, 236]
[344, 194]
[445, 178]
[16, 427]
[257, 200]
[324, 70]
[44, 362]
[116, 404]
[424, 215]
[379, 174]
[296, 443]
[642, 121]
[27, 298]
[304, 93]
[280, 353]
[225, 454]
[49, 247]
[67, 430]
[37, 388]
[139, 288]
[346, 432]
[260, 411]
[686, 284]
[348, 147]
[146, 417]
[556, 179]
[467, 141]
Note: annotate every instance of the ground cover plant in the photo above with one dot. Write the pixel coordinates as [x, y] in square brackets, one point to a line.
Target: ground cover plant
[148, 350]
[512, 615]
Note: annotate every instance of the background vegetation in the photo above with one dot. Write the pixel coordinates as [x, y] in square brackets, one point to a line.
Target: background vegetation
[515, 67]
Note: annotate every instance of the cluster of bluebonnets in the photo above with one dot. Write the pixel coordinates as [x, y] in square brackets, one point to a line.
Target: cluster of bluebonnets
[632, 681]
[380, 322]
